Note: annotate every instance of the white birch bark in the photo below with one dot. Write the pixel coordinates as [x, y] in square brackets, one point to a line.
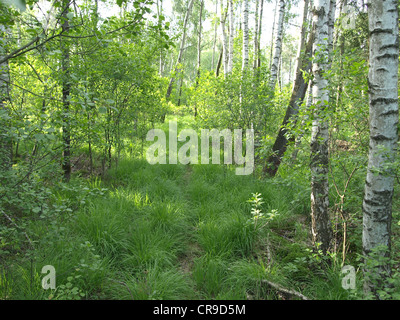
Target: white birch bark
[384, 117]
[161, 61]
[320, 220]
[199, 42]
[224, 36]
[231, 36]
[272, 36]
[245, 53]
[180, 55]
[256, 37]
[215, 36]
[278, 46]
[259, 34]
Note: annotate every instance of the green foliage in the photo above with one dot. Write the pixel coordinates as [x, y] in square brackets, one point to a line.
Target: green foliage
[238, 101]
[378, 266]
[124, 229]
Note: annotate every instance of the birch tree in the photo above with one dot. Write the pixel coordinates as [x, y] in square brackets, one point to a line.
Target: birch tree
[199, 42]
[272, 35]
[384, 117]
[66, 90]
[298, 93]
[215, 35]
[256, 20]
[199, 50]
[278, 46]
[159, 13]
[259, 34]
[319, 165]
[224, 14]
[231, 36]
[181, 49]
[332, 11]
[245, 53]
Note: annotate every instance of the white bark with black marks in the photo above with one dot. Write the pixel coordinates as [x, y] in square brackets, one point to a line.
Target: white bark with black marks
[231, 36]
[384, 117]
[224, 14]
[278, 46]
[319, 165]
[245, 53]
[256, 20]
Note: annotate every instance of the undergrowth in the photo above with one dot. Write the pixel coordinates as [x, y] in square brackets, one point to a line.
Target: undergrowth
[171, 232]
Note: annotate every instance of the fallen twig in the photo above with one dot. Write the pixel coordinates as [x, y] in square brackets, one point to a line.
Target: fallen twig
[287, 291]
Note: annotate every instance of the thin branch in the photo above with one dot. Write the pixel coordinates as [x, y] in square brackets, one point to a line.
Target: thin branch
[17, 226]
[287, 291]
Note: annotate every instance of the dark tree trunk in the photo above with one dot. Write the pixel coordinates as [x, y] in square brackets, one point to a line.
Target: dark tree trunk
[66, 90]
[298, 94]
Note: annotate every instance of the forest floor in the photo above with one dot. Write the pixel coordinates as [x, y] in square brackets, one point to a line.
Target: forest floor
[177, 232]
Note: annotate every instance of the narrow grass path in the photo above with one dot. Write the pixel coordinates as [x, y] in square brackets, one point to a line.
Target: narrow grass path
[183, 232]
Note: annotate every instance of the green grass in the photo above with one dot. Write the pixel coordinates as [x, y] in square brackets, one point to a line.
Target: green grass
[173, 232]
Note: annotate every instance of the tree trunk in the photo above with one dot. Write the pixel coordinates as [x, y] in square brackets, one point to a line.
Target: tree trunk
[180, 55]
[256, 20]
[224, 14]
[259, 35]
[161, 60]
[384, 117]
[215, 37]
[332, 10]
[5, 140]
[272, 36]
[199, 51]
[278, 46]
[320, 220]
[245, 53]
[231, 36]
[219, 62]
[298, 93]
[199, 43]
[66, 91]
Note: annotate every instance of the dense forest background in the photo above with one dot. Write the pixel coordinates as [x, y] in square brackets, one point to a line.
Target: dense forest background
[83, 82]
